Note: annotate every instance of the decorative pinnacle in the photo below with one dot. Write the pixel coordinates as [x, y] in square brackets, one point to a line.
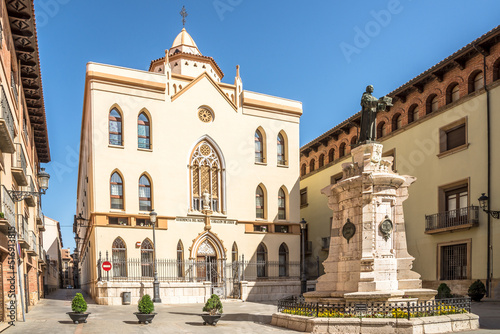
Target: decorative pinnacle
[184, 14]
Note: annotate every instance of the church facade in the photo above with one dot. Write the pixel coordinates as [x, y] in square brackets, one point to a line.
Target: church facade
[218, 164]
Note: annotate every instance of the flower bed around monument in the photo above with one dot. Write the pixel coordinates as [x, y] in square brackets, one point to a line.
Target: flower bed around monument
[407, 310]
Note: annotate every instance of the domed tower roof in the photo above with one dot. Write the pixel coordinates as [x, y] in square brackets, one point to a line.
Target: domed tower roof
[185, 43]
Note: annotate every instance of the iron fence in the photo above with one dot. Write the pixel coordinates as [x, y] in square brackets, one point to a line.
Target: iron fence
[404, 309]
[172, 270]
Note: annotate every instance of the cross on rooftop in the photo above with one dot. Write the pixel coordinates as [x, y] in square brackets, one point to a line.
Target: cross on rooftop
[184, 14]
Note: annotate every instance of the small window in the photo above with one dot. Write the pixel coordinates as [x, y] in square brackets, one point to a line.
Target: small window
[303, 197]
[118, 220]
[478, 81]
[281, 204]
[116, 185]
[303, 170]
[381, 129]
[283, 260]
[397, 122]
[321, 161]
[281, 228]
[180, 259]
[331, 155]
[281, 146]
[261, 260]
[312, 164]
[413, 113]
[452, 93]
[336, 178]
[143, 133]
[342, 150]
[454, 261]
[434, 104]
[143, 222]
[144, 194]
[119, 258]
[259, 147]
[453, 136]
[354, 141]
[259, 203]
[147, 268]
[260, 228]
[115, 128]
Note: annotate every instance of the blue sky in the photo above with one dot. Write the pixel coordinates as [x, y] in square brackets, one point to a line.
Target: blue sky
[322, 53]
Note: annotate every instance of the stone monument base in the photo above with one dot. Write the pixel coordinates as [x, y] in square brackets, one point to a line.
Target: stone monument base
[418, 295]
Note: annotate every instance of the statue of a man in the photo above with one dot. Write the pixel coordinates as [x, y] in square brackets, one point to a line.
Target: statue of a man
[370, 106]
[206, 200]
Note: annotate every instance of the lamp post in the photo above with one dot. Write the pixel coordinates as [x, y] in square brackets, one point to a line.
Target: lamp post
[303, 278]
[43, 185]
[483, 204]
[156, 283]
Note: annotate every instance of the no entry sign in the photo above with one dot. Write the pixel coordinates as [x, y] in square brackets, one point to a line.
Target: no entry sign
[106, 266]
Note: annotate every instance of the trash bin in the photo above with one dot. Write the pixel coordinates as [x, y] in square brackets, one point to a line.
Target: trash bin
[126, 298]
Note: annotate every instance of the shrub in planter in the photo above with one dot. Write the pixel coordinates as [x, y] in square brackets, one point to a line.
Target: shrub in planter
[444, 291]
[214, 308]
[79, 306]
[477, 290]
[146, 310]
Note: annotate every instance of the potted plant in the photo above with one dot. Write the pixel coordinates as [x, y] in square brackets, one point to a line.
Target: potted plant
[444, 291]
[146, 310]
[79, 306]
[214, 308]
[477, 291]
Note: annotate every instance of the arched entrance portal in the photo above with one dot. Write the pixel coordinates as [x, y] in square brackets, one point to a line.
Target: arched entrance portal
[210, 256]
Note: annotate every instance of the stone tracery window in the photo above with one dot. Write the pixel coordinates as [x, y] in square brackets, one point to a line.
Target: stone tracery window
[206, 178]
[147, 266]
[119, 258]
[115, 127]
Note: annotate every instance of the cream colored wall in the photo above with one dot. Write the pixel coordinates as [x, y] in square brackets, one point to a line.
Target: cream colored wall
[417, 147]
[175, 130]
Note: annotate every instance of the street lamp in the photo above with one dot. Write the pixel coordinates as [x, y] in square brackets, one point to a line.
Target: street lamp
[43, 185]
[156, 283]
[303, 278]
[483, 204]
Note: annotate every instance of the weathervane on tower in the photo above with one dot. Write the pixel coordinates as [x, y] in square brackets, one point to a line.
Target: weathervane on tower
[184, 14]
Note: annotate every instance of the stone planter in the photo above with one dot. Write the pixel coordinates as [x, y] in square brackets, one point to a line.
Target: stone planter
[210, 319]
[78, 317]
[145, 318]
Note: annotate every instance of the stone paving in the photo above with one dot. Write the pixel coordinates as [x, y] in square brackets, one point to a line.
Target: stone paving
[49, 316]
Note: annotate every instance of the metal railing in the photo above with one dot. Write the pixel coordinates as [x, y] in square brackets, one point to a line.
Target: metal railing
[404, 309]
[8, 207]
[453, 218]
[23, 228]
[6, 114]
[18, 158]
[34, 242]
[172, 270]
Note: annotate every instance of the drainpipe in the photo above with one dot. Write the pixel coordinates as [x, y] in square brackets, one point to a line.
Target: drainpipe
[488, 148]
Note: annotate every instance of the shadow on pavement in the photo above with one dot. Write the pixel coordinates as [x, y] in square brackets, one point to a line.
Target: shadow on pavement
[195, 323]
[184, 313]
[265, 319]
[128, 322]
[66, 322]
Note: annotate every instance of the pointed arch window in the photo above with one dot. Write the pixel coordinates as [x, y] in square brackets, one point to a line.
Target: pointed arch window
[281, 150]
[283, 260]
[207, 179]
[119, 258]
[281, 204]
[144, 194]
[143, 131]
[234, 253]
[261, 260]
[180, 259]
[259, 203]
[147, 266]
[259, 147]
[115, 128]
[116, 191]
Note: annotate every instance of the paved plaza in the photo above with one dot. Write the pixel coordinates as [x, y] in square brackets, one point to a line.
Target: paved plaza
[49, 316]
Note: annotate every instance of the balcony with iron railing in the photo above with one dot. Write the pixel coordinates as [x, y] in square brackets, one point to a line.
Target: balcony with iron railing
[463, 218]
[7, 214]
[24, 239]
[19, 166]
[33, 248]
[30, 199]
[7, 132]
[40, 219]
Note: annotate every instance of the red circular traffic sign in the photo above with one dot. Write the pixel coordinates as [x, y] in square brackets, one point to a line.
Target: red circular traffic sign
[106, 266]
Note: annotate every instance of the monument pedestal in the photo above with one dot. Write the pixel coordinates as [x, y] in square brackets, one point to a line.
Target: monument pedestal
[368, 258]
